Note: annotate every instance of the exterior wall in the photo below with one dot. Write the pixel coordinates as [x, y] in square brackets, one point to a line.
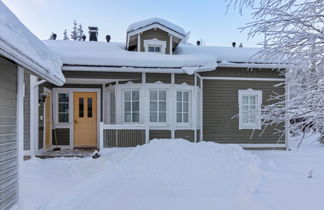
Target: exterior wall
[242, 72]
[134, 77]
[61, 136]
[181, 78]
[160, 134]
[220, 104]
[154, 77]
[124, 138]
[27, 112]
[157, 34]
[8, 134]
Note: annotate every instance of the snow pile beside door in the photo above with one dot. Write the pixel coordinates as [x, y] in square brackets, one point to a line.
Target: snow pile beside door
[171, 174]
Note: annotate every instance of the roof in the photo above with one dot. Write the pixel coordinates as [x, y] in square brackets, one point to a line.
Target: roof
[141, 24]
[80, 55]
[23, 47]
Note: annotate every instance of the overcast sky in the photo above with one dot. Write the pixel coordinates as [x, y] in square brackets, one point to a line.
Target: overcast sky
[205, 19]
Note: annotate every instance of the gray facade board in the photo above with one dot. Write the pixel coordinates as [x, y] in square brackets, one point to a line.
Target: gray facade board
[27, 112]
[123, 138]
[156, 34]
[8, 134]
[61, 136]
[181, 78]
[160, 134]
[220, 105]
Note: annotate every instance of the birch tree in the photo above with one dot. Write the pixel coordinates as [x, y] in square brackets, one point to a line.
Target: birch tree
[294, 37]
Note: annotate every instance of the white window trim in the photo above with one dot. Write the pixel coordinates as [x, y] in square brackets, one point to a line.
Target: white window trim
[250, 92]
[155, 43]
[56, 106]
[167, 107]
[184, 124]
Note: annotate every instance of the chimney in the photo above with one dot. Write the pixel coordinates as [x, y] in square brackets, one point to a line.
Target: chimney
[93, 33]
[233, 44]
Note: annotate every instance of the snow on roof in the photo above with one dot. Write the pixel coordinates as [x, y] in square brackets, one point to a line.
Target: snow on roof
[23, 47]
[147, 22]
[187, 58]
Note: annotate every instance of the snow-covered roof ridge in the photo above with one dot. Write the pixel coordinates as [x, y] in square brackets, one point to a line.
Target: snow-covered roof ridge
[23, 47]
[143, 23]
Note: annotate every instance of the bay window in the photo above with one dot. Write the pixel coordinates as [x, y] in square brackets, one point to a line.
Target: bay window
[182, 115]
[131, 106]
[158, 106]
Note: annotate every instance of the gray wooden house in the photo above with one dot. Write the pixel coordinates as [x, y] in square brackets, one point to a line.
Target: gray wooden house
[155, 86]
[21, 54]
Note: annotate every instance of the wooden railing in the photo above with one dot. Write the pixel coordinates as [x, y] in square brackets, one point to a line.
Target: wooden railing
[118, 134]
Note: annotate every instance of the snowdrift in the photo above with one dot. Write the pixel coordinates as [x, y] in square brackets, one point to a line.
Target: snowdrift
[171, 174]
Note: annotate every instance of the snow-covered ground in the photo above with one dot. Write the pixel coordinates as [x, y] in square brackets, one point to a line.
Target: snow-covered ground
[176, 174]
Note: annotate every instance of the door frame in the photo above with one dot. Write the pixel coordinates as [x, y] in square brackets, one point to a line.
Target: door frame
[70, 124]
[46, 90]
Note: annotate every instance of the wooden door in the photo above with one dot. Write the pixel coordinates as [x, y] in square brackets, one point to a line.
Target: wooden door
[48, 121]
[85, 119]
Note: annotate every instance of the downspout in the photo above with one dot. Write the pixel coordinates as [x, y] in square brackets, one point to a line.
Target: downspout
[34, 115]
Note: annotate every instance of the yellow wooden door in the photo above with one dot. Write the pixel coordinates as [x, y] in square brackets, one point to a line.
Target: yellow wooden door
[85, 119]
[48, 121]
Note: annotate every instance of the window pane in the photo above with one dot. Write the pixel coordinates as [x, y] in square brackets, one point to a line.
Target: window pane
[157, 49]
[63, 97]
[63, 117]
[162, 117]
[127, 117]
[153, 117]
[127, 106]
[162, 95]
[153, 106]
[179, 117]
[185, 96]
[179, 96]
[252, 99]
[179, 107]
[245, 100]
[185, 117]
[252, 117]
[245, 107]
[136, 117]
[162, 106]
[135, 95]
[245, 117]
[151, 49]
[127, 96]
[90, 107]
[63, 107]
[81, 107]
[153, 95]
[135, 106]
[185, 107]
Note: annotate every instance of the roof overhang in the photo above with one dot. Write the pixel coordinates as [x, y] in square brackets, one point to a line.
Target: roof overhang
[156, 25]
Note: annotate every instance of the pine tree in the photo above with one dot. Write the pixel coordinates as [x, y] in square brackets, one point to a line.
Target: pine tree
[80, 33]
[74, 32]
[65, 36]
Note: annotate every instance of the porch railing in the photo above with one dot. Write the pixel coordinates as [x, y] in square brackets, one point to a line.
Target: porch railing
[115, 135]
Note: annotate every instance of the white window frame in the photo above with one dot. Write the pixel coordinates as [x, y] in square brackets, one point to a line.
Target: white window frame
[56, 110]
[139, 106]
[184, 124]
[166, 110]
[250, 92]
[155, 43]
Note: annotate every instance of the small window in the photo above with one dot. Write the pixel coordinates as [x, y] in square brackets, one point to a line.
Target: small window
[112, 108]
[250, 109]
[158, 104]
[63, 107]
[182, 107]
[155, 46]
[131, 106]
[81, 107]
[89, 107]
[156, 49]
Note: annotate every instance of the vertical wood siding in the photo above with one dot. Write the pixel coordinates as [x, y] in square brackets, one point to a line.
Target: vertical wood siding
[27, 112]
[181, 78]
[185, 134]
[124, 138]
[61, 135]
[160, 134]
[8, 134]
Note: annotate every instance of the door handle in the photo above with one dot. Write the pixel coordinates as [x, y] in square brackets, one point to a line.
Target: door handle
[75, 121]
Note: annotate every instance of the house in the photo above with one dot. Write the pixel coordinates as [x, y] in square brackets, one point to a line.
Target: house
[21, 54]
[156, 86]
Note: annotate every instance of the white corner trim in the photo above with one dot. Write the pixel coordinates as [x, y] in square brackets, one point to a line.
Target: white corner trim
[155, 43]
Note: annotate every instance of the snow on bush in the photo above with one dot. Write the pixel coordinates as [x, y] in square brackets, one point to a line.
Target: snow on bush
[172, 174]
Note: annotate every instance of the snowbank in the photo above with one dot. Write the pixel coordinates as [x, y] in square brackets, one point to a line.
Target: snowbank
[147, 22]
[26, 49]
[171, 174]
